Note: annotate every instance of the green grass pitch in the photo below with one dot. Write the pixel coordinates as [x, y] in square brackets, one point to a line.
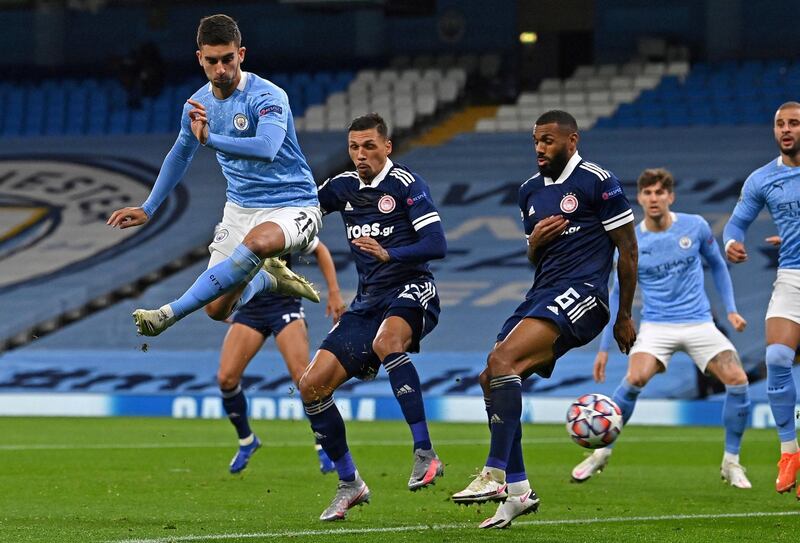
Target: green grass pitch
[160, 480]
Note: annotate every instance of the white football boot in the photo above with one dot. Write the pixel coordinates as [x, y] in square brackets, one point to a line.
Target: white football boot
[485, 487]
[151, 322]
[513, 507]
[733, 474]
[594, 463]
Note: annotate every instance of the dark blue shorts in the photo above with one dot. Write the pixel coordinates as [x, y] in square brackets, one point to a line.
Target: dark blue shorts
[269, 313]
[580, 312]
[351, 339]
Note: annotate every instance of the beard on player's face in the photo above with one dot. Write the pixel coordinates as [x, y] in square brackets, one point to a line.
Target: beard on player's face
[556, 162]
[789, 149]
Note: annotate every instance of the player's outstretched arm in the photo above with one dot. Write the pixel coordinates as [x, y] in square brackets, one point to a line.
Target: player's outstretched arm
[336, 305]
[172, 171]
[624, 237]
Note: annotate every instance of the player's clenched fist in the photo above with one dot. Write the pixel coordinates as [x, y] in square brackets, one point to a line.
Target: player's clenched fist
[735, 252]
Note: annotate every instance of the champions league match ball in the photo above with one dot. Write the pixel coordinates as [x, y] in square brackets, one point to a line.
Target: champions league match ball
[594, 421]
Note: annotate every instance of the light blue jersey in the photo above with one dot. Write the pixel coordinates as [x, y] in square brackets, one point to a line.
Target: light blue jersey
[253, 134]
[778, 187]
[670, 274]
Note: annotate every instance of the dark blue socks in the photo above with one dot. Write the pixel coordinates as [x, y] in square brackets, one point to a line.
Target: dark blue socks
[328, 427]
[515, 470]
[506, 410]
[405, 385]
[235, 404]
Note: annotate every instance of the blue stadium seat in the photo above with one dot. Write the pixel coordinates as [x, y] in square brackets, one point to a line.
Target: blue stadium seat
[118, 121]
[12, 116]
[33, 123]
[56, 112]
[315, 93]
[139, 119]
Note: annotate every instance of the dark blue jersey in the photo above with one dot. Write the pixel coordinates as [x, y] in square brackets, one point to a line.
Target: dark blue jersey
[394, 209]
[593, 201]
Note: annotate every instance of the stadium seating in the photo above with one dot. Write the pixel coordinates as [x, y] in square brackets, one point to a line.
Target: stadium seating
[401, 96]
[658, 95]
[591, 93]
[726, 94]
[101, 106]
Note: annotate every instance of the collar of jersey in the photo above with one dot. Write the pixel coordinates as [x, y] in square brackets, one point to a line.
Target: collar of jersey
[571, 165]
[672, 214]
[240, 87]
[378, 178]
[780, 164]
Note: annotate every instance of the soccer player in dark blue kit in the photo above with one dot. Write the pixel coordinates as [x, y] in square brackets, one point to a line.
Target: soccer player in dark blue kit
[575, 214]
[271, 315]
[394, 230]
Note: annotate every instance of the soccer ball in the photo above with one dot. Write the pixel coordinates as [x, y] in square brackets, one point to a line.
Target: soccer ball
[594, 421]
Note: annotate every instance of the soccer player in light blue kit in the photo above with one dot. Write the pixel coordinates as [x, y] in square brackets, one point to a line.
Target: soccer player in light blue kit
[272, 206]
[676, 316]
[776, 185]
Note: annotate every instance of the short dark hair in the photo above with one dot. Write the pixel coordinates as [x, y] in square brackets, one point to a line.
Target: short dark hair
[367, 122]
[651, 176]
[218, 29]
[562, 118]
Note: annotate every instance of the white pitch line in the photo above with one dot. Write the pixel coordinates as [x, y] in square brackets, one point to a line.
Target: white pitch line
[453, 526]
[354, 443]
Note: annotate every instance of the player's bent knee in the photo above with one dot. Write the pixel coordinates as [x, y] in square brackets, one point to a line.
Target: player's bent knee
[227, 381]
[384, 345]
[637, 379]
[500, 364]
[265, 240]
[736, 376]
[217, 312]
[313, 388]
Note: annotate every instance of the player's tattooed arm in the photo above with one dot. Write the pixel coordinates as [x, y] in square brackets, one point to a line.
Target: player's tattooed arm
[624, 238]
[543, 233]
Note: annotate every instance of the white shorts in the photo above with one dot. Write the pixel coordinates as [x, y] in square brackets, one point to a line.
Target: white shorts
[300, 225]
[702, 341]
[785, 301]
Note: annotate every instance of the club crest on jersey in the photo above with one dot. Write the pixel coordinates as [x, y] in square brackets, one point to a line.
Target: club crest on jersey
[685, 242]
[386, 204]
[220, 235]
[569, 203]
[240, 122]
